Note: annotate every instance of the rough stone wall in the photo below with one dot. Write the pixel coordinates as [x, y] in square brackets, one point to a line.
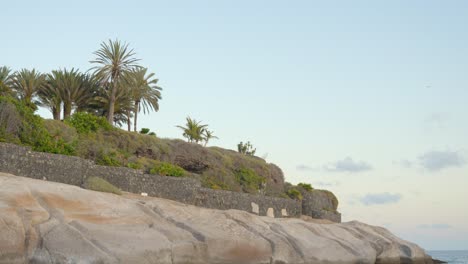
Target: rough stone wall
[252, 203]
[130, 180]
[22, 161]
[319, 205]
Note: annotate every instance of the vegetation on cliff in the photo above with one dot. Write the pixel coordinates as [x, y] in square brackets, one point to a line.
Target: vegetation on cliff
[88, 107]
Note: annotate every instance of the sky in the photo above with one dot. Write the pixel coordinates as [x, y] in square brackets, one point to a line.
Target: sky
[368, 99]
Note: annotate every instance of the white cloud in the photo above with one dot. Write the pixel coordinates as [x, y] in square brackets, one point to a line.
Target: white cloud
[302, 167]
[439, 160]
[380, 198]
[325, 184]
[348, 165]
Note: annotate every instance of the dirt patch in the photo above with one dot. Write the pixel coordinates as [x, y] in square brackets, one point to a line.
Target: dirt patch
[23, 201]
[92, 218]
[101, 219]
[59, 202]
[246, 253]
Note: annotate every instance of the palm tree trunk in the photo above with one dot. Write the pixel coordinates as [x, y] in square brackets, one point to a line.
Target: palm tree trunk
[110, 113]
[129, 122]
[67, 107]
[56, 113]
[137, 109]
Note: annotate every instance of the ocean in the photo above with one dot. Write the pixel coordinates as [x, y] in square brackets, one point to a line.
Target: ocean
[450, 256]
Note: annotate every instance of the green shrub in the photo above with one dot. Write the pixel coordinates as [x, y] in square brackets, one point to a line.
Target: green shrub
[167, 169]
[144, 131]
[249, 180]
[19, 124]
[10, 121]
[134, 165]
[85, 122]
[152, 134]
[294, 194]
[214, 183]
[59, 130]
[109, 159]
[246, 148]
[101, 185]
[63, 137]
[305, 186]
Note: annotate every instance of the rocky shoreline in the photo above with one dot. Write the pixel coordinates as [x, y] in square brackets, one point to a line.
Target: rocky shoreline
[47, 222]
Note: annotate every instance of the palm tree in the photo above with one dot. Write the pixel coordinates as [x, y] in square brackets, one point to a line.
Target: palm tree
[26, 84]
[49, 94]
[68, 87]
[72, 89]
[144, 91]
[123, 105]
[207, 135]
[113, 59]
[5, 81]
[88, 91]
[193, 130]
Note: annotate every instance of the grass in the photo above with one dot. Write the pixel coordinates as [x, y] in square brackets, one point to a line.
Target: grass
[294, 194]
[305, 186]
[101, 185]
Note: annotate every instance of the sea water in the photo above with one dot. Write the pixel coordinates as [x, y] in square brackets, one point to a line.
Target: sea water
[450, 256]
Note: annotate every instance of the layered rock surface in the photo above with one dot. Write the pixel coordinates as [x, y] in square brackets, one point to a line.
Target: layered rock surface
[46, 222]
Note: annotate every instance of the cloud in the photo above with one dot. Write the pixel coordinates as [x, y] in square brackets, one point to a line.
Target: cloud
[348, 165]
[439, 160]
[302, 167]
[380, 198]
[435, 226]
[325, 184]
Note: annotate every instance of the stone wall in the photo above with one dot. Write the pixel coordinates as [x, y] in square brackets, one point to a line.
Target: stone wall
[130, 180]
[21, 161]
[258, 204]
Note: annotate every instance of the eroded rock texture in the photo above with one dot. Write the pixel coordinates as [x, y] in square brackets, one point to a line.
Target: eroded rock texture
[46, 222]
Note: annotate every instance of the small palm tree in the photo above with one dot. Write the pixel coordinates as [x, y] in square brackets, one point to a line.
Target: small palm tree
[193, 130]
[113, 60]
[144, 91]
[5, 81]
[26, 84]
[49, 95]
[207, 135]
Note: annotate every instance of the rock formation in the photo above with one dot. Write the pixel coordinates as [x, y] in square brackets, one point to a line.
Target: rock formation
[47, 222]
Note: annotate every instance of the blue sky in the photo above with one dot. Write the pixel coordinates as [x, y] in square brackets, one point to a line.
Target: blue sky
[365, 98]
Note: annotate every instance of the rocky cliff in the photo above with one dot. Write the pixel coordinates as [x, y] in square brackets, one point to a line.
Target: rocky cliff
[46, 222]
